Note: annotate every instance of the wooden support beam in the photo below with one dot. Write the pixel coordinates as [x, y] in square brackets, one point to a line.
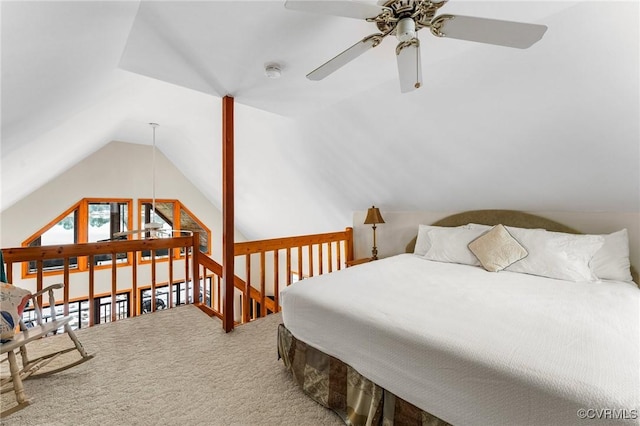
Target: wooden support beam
[228, 255]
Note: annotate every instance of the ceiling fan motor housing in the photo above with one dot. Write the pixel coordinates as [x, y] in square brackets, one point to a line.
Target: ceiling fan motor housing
[420, 12]
[406, 29]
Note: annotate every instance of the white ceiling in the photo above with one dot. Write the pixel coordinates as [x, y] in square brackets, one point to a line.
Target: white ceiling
[553, 127]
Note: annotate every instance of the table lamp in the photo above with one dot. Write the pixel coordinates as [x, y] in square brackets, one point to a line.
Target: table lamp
[374, 217]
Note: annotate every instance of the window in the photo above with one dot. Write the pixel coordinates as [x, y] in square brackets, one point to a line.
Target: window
[89, 220]
[188, 222]
[100, 219]
[182, 292]
[103, 308]
[165, 213]
[106, 219]
[79, 311]
[63, 230]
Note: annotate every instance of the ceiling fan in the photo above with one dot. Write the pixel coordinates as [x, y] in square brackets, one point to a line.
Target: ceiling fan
[152, 229]
[404, 18]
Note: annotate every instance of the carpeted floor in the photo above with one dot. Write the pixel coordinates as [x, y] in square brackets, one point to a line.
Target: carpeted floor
[173, 367]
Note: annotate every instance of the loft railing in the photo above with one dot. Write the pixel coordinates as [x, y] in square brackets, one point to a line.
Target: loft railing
[265, 266]
[134, 283]
[276, 262]
[270, 264]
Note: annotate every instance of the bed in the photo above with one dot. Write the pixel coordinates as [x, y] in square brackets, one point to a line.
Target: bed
[413, 340]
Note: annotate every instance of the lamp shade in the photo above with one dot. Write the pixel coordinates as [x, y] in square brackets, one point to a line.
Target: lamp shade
[373, 216]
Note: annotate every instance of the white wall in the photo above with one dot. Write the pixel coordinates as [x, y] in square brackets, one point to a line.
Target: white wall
[118, 170]
[401, 226]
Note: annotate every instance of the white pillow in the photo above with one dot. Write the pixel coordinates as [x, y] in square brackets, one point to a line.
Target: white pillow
[451, 245]
[611, 262]
[556, 254]
[479, 226]
[423, 242]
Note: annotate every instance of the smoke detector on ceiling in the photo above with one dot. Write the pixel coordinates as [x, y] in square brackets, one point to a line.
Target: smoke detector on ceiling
[272, 71]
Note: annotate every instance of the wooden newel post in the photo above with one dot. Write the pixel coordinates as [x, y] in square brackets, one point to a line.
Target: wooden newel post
[228, 255]
[349, 244]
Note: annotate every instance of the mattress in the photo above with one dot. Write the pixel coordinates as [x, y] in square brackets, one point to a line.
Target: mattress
[475, 348]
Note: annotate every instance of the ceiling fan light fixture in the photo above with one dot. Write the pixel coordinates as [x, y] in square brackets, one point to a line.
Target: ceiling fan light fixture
[272, 71]
[406, 29]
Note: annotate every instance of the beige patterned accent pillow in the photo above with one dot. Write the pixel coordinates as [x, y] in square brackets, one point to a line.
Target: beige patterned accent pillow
[497, 249]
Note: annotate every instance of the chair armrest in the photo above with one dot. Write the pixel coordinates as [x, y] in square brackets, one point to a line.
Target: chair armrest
[46, 289]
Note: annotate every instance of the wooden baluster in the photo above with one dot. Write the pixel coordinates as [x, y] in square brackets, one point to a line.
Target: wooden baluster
[263, 284]
[39, 279]
[300, 263]
[218, 293]
[288, 266]
[134, 306]
[9, 271]
[330, 254]
[310, 260]
[92, 279]
[195, 252]
[202, 277]
[186, 281]
[65, 279]
[320, 260]
[170, 299]
[153, 280]
[114, 285]
[247, 291]
[276, 285]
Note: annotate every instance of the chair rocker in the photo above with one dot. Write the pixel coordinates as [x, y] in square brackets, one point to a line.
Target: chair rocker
[31, 367]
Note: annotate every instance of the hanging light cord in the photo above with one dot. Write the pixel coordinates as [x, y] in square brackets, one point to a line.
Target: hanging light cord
[153, 173]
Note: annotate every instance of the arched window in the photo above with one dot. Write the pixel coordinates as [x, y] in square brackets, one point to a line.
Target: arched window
[172, 214]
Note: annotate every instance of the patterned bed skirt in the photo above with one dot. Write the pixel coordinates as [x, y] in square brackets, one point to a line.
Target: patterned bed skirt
[335, 385]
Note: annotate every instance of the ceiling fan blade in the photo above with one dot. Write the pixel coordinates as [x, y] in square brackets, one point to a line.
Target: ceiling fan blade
[491, 31]
[125, 233]
[345, 57]
[149, 228]
[409, 66]
[348, 9]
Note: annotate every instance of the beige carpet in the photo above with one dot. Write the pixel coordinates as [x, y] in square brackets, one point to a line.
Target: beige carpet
[173, 367]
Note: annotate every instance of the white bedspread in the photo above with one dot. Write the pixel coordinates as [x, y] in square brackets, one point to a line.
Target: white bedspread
[478, 348]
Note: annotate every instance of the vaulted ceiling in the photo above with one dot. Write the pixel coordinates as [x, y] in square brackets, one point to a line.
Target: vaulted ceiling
[552, 127]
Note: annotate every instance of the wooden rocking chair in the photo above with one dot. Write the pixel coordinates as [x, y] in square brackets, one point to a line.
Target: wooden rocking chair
[30, 367]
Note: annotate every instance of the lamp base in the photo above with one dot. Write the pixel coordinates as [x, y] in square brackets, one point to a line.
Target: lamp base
[374, 250]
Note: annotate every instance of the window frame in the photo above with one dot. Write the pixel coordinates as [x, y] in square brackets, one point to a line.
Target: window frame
[81, 234]
[178, 207]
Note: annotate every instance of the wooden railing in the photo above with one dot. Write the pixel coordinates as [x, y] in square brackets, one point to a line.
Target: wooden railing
[304, 256]
[87, 253]
[300, 256]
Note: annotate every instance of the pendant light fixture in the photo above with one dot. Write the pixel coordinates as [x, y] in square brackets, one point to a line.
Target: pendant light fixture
[152, 229]
[152, 226]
